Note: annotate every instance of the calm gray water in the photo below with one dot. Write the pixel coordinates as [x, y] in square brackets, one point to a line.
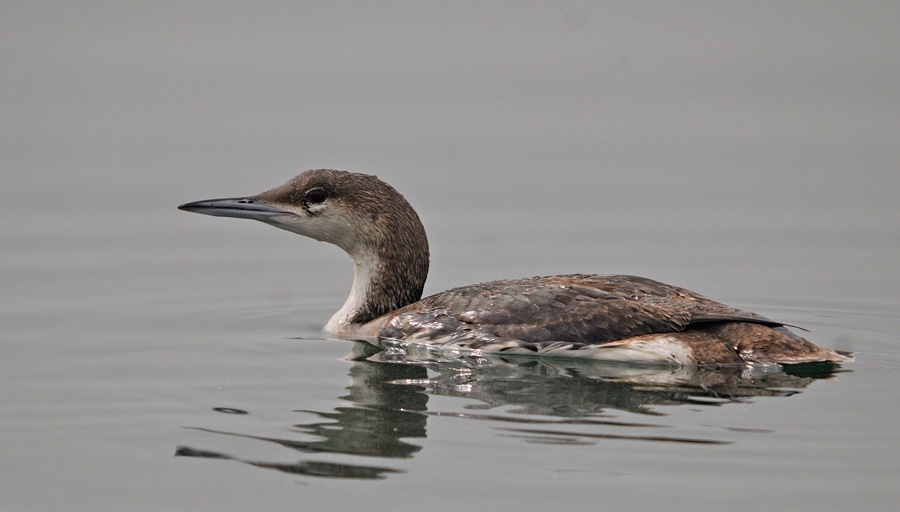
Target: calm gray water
[156, 360]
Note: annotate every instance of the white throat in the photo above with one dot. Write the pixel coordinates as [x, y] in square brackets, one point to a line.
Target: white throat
[365, 268]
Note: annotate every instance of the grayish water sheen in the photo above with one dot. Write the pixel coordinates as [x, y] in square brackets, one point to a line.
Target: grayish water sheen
[155, 360]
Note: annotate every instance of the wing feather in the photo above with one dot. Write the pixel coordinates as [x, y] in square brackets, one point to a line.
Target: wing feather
[581, 309]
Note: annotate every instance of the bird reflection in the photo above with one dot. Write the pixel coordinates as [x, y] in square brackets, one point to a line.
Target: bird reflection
[388, 396]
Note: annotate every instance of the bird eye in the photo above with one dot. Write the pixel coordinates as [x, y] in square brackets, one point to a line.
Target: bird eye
[316, 195]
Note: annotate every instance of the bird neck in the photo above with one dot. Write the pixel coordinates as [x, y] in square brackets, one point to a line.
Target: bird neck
[386, 276]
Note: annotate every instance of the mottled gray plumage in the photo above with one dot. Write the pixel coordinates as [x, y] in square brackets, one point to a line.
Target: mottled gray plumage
[608, 317]
[575, 308]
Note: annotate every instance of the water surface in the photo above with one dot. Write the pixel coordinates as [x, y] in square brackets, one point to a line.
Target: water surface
[200, 376]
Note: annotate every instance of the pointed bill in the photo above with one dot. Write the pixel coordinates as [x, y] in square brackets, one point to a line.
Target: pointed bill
[238, 207]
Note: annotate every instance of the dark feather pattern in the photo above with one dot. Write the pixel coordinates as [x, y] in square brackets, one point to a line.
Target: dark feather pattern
[578, 308]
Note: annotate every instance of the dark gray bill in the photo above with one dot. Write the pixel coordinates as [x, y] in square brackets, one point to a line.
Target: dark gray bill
[239, 207]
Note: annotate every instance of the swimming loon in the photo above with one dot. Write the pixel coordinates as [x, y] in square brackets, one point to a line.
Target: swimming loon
[612, 317]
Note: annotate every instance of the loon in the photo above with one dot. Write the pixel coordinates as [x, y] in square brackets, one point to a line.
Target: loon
[610, 317]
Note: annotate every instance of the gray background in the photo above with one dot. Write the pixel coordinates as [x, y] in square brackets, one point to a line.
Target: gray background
[742, 111]
[747, 150]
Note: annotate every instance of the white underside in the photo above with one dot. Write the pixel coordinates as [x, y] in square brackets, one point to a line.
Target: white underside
[653, 348]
